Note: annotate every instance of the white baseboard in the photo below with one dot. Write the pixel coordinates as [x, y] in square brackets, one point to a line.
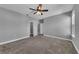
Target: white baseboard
[64, 39]
[75, 47]
[58, 37]
[2, 43]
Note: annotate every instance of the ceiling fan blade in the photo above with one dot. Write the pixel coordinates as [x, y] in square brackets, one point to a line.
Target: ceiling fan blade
[45, 10]
[32, 9]
[34, 12]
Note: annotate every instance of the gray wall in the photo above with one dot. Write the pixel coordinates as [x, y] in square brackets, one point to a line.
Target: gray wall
[58, 26]
[13, 25]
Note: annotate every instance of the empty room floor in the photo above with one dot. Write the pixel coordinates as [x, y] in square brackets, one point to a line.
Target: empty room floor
[39, 45]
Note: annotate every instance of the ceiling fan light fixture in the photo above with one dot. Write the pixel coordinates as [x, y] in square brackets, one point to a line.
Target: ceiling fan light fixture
[38, 13]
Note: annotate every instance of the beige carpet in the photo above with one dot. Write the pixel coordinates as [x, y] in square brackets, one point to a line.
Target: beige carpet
[39, 45]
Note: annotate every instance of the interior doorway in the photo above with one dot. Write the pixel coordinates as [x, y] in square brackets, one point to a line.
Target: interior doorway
[31, 29]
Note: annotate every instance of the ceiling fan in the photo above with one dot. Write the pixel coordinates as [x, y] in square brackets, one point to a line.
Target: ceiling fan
[39, 9]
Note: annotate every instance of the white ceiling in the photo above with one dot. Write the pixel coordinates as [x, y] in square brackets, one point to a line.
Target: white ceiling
[53, 9]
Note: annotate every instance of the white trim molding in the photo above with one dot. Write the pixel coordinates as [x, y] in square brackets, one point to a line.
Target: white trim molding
[2, 43]
[58, 37]
[75, 47]
[6, 42]
[64, 39]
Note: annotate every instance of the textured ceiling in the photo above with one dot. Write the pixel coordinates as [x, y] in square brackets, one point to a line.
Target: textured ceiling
[54, 9]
